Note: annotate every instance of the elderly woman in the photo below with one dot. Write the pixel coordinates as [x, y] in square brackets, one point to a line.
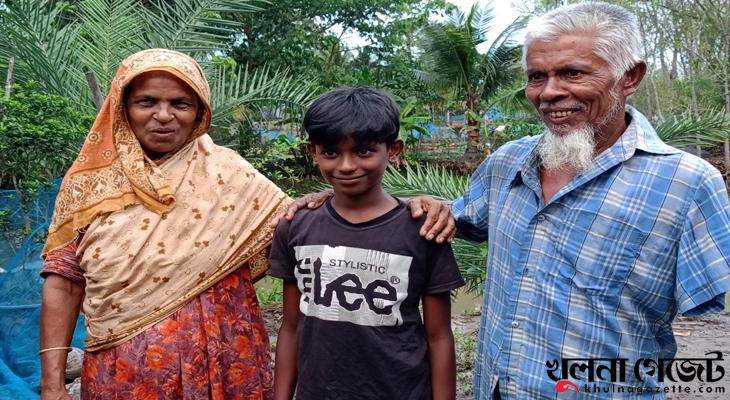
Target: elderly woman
[155, 237]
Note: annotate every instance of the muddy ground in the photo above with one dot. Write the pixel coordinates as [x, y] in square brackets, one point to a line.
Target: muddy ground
[695, 338]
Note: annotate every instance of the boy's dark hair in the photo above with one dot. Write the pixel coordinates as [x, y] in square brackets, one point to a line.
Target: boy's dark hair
[363, 113]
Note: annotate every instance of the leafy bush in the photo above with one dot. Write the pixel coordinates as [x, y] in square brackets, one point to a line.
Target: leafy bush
[283, 160]
[269, 291]
[40, 135]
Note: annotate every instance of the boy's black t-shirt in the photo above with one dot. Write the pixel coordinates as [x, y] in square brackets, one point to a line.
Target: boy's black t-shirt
[360, 330]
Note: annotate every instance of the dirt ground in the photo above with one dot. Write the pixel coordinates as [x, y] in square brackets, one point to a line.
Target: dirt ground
[695, 338]
[698, 336]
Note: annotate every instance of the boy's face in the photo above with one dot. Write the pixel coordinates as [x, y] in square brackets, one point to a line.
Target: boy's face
[353, 168]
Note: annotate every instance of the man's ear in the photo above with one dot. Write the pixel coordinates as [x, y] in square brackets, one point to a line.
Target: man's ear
[632, 78]
[395, 150]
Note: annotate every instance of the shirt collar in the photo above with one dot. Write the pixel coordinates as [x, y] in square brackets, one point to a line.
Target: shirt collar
[639, 135]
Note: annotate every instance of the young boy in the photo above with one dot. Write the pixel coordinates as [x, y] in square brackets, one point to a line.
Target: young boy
[356, 269]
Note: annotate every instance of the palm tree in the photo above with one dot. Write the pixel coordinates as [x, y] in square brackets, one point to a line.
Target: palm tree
[443, 185]
[73, 51]
[452, 59]
[711, 128]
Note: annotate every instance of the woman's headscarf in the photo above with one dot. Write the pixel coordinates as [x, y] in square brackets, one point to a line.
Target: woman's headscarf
[155, 236]
[112, 170]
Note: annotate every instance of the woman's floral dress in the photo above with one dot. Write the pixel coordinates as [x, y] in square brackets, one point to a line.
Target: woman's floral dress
[214, 347]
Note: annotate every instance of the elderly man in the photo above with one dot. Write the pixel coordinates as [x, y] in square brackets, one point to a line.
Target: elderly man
[598, 232]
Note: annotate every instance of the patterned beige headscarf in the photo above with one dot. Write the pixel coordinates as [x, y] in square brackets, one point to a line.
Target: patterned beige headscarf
[111, 170]
[155, 236]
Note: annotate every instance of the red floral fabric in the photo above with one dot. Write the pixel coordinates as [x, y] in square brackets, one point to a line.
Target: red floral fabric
[214, 347]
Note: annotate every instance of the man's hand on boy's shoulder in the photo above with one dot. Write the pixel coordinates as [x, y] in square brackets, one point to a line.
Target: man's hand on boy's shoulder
[309, 200]
[439, 222]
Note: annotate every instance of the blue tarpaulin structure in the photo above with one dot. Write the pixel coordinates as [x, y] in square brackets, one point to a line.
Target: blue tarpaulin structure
[20, 296]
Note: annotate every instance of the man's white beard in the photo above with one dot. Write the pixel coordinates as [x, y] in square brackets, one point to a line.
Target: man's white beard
[573, 150]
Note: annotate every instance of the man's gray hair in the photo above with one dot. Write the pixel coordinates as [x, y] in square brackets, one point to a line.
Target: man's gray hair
[616, 31]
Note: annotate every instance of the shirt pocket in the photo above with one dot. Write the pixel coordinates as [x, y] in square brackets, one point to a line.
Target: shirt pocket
[599, 251]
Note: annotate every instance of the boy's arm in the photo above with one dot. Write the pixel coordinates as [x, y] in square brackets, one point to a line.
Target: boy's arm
[285, 370]
[441, 354]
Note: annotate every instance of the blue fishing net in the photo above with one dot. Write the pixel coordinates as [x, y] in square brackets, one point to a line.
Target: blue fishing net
[20, 294]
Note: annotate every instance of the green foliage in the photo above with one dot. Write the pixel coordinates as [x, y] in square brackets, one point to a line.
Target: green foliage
[194, 26]
[518, 125]
[688, 130]
[472, 259]
[282, 160]
[239, 95]
[5, 219]
[38, 36]
[269, 291]
[39, 137]
[94, 36]
[512, 100]
[453, 62]
[466, 346]
[301, 36]
[424, 180]
[411, 120]
[441, 184]
[108, 32]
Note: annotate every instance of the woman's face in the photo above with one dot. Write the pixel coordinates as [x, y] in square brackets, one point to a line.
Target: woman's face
[162, 111]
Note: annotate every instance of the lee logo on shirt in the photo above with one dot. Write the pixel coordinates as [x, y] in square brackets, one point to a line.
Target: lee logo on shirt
[350, 283]
[361, 286]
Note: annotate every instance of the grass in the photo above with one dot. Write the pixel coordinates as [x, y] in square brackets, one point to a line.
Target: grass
[466, 346]
[269, 291]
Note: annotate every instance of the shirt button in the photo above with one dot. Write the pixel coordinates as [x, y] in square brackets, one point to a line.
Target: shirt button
[540, 218]
[515, 324]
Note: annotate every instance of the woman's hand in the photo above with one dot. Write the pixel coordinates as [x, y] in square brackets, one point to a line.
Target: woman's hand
[439, 222]
[309, 200]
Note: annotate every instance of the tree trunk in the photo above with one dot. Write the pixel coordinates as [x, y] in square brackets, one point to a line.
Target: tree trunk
[695, 111]
[23, 206]
[95, 91]
[9, 79]
[472, 156]
[658, 109]
[727, 141]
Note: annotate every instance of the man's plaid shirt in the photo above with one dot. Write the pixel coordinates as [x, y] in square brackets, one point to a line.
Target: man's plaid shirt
[599, 271]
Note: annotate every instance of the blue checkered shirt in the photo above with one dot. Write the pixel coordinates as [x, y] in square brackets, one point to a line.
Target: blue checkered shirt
[599, 271]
